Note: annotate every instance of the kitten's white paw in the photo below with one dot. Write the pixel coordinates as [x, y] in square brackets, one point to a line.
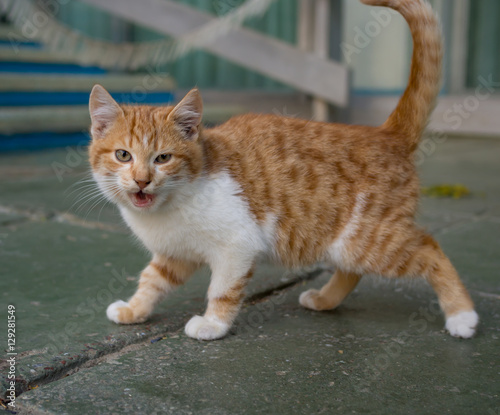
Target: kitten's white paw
[307, 299]
[202, 328]
[120, 312]
[462, 324]
[113, 311]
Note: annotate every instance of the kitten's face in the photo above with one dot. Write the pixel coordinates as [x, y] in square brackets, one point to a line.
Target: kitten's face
[141, 155]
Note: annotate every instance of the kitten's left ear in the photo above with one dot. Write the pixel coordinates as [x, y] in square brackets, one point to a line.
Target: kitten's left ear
[187, 114]
[104, 111]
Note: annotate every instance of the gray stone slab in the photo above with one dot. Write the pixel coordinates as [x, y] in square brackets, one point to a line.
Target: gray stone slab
[61, 278]
[470, 162]
[473, 163]
[474, 249]
[382, 351]
[10, 218]
[53, 182]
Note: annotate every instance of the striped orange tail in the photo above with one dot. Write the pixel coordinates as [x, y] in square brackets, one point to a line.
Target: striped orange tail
[415, 106]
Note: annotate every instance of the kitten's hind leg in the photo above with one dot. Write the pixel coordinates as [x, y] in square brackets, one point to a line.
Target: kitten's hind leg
[160, 277]
[424, 257]
[332, 293]
[225, 296]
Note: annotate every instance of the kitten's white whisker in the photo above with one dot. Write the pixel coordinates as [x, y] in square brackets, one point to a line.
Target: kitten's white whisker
[116, 192]
[82, 189]
[85, 196]
[88, 199]
[96, 203]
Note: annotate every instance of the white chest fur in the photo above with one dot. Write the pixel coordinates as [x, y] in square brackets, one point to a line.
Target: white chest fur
[207, 219]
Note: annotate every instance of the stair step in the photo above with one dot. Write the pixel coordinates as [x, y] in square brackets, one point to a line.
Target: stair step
[11, 37]
[33, 59]
[44, 95]
[10, 54]
[44, 119]
[39, 141]
[49, 67]
[23, 99]
[8, 30]
[70, 89]
[76, 118]
[83, 83]
[20, 54]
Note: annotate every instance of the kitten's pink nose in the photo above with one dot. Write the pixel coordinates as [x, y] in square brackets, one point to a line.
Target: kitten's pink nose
[142, 184]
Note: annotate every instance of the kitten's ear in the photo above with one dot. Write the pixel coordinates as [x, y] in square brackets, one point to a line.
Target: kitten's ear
[104, 111]
[187, 114]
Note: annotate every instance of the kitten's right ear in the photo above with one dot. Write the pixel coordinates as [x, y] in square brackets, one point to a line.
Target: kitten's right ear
[104, 111]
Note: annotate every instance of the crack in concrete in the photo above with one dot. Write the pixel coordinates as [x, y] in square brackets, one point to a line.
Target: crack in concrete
[114, 351]
[484, 214]
[488, 295]
[27, 353]
[286, 286]
[117, 350]
[37, 215]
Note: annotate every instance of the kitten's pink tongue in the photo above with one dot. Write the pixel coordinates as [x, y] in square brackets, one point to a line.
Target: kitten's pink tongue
[141, 199]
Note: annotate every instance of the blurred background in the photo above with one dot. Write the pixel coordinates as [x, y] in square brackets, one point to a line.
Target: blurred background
[334, 60]
[66, 254]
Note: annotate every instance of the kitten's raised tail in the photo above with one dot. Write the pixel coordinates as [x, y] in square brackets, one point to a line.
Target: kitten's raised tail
[415, 106]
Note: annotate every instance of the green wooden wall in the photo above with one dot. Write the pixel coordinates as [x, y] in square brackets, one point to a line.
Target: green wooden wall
[197, 68]
[484, 41]
[208, 71]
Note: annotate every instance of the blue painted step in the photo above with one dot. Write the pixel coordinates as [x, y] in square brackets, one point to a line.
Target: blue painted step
[36, 81]
[49, 67]
[42, 140]
[23, 99]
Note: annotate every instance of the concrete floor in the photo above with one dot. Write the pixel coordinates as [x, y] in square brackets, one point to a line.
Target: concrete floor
[383, 351]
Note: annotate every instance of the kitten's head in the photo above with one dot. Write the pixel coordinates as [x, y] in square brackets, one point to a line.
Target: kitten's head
[140, 155]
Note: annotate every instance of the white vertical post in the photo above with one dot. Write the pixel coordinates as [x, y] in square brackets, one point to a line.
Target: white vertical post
[459, 45]
[321, 49]
[313, 36]
[305, 25]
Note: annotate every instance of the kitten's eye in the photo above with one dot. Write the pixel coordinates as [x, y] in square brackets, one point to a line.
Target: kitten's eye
[123, 155]
[163, 158]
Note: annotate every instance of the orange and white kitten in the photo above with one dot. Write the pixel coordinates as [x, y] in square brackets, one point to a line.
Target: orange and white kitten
[295, 190]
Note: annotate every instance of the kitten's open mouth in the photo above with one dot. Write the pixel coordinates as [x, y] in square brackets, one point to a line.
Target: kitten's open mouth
[141, 199]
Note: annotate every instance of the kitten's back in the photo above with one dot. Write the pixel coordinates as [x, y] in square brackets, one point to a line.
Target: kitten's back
[308, 180]
[304, 179]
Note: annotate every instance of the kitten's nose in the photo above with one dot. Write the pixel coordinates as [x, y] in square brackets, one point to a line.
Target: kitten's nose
[142, 183]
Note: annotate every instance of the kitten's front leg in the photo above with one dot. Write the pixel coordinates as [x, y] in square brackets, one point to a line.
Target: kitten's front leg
[160, 277]
[225, 295]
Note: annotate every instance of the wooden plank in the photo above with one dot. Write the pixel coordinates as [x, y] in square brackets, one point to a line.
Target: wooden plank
[8, 54]
[60, 82]
[73, 118]
[276, 59]
[7, 31]
[38, 119]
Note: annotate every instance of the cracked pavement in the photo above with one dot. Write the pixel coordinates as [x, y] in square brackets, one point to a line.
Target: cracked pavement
[383, 350]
